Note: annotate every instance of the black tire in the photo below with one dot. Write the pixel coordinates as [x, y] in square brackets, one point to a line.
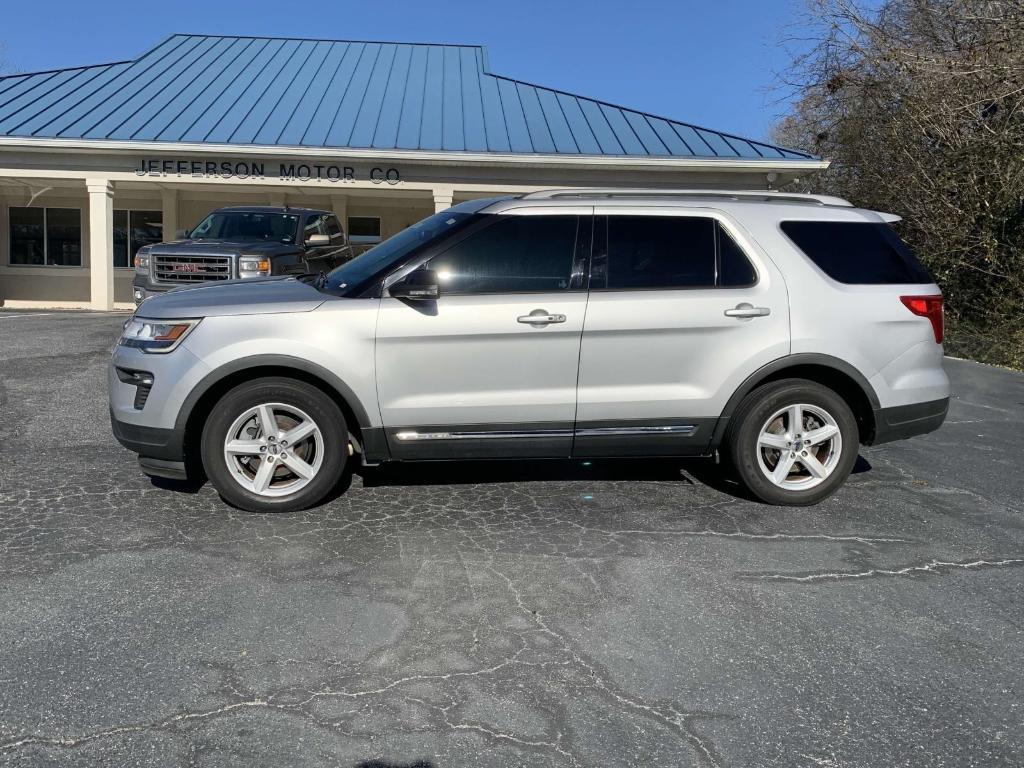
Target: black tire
[744, 451]
[289, 392]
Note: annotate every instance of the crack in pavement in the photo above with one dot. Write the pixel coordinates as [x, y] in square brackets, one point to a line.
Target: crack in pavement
[934, 566]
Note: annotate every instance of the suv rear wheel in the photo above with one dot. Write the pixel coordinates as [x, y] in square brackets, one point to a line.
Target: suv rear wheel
[793, 442]
[274, 445]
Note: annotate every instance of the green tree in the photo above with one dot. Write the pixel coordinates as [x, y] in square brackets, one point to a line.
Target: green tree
[920, 106]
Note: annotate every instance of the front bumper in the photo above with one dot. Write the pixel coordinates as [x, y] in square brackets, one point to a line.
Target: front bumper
[152, 426]
[152, 442]
[903, 421]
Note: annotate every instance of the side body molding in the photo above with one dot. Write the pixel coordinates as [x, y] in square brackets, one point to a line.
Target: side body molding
[767, 371]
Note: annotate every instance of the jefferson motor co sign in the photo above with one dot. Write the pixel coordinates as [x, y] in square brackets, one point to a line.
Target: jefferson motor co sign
[251, 169]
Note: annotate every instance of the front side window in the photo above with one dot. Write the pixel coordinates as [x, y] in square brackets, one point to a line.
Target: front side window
[333, 227]
[355, 275]
[517, 254]
[315, 225]
[667, 252]
[248, 225]
[46, 236]
[132, 230]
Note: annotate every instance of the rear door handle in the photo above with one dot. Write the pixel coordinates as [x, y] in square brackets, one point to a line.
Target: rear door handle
[748, 311]
[540, 317]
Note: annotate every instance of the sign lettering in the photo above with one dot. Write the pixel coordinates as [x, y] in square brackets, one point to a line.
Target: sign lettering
[253, 169]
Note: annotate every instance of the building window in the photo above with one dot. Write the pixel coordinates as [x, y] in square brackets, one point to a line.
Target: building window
[132, 230]
[364, 229]
[46, 236]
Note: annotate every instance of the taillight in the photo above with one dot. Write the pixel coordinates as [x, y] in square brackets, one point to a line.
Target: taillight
[927, 306]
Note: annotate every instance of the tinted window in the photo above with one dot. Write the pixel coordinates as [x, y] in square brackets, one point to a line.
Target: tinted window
[734, 269]
[516, 254]
[355, 274]
[857, 252]
[64, 236]
[670, 252]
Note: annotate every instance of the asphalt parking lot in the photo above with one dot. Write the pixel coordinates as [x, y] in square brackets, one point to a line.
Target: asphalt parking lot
[516, 614]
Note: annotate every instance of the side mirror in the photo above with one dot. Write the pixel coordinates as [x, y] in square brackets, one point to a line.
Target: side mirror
[181, 234]
[315, 241]
[419, 285]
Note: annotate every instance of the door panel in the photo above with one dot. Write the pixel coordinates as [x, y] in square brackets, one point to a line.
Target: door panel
[466, 364]
[489, 368]
[671, 358]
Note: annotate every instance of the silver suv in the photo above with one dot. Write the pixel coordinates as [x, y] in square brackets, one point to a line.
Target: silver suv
[781, 331]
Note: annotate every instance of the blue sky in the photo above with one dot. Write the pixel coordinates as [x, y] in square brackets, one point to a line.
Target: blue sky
[709, 62]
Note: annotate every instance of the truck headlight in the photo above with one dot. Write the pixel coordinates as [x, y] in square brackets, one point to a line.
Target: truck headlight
[155, 335]
[253, 266]
[142, 261]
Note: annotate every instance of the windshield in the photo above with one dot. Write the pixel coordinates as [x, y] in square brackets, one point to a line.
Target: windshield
[354, 274]
[247, 225]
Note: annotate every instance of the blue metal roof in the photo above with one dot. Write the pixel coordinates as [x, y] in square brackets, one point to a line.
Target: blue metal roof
[340, 94]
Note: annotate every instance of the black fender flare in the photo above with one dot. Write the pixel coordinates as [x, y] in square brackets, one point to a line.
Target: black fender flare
[781, 364]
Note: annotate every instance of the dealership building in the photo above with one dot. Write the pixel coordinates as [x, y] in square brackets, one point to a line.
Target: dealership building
[97, 160]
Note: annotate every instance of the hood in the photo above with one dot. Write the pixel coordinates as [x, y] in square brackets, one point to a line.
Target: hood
[209, 246]
[258, 296]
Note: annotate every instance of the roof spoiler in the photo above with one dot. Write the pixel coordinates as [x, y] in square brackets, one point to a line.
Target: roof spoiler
[889, 218]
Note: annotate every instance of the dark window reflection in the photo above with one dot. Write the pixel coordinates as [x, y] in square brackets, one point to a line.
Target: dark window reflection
[27, 239]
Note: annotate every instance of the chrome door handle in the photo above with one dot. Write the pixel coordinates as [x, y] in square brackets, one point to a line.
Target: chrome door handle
[747, 311]
[539, 318]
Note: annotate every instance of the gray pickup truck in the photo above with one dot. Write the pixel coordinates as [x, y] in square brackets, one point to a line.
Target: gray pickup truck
[243, 242]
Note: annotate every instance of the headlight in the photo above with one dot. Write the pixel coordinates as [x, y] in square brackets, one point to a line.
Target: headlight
[142, 261]
[155, 335]
[253, 266]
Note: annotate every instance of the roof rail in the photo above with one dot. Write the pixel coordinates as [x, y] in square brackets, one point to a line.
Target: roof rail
[713, 194]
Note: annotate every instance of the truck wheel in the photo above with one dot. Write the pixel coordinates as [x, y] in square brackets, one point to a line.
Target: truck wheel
[793, 442]
[274, 445]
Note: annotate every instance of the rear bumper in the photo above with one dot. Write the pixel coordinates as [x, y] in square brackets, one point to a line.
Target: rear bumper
[903, 421]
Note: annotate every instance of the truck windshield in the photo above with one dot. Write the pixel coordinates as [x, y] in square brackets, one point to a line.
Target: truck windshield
[353, 275]
[247, 225]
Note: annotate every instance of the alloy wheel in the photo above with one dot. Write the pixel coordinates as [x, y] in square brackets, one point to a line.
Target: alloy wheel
[273, 449]
[799, 446]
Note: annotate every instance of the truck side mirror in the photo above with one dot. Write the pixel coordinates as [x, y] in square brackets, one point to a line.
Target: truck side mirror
[418, 285]
[181, 234]
[314, 241]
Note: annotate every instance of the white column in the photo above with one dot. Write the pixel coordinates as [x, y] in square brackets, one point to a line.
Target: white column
[339, 204]
[442, 198]
[101, 243]
[169, 199]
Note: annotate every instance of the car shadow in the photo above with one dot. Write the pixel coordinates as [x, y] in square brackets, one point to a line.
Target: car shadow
[685, 471]
[705, 471]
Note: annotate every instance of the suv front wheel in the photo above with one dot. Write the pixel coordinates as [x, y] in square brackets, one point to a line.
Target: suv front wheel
[793, 442]
[274, 445]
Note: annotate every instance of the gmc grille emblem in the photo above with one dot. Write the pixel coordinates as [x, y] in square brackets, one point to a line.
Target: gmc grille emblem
[189, 268]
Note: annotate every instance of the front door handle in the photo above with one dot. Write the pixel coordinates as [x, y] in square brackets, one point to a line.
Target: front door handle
[745, 310]
[540, 317]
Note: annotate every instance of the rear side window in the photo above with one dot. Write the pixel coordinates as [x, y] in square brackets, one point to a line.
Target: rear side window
[857, 253]
[517, 254]
[669, 252]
